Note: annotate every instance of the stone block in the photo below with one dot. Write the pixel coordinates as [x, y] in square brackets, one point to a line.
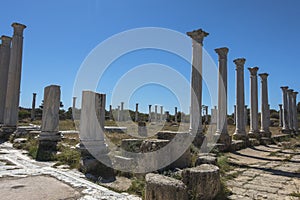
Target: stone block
[161, 187]
[203, 182]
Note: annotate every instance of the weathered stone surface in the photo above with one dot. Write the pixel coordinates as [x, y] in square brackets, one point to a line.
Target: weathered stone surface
[203, 181]
[131, 145]
[206, 160]
[160, 187]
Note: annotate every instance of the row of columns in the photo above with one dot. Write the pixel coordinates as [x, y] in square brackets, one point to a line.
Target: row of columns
[288, 110]
[11, 50]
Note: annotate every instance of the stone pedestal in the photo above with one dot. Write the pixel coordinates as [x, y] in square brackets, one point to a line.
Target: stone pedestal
[265, 116]
[196, 86]
[222, 132]
[94, 151]
[240, 133]
[254, 131]
[4, 66]
[50, 134]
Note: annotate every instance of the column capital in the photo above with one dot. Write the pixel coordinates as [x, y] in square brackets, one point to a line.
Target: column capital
[253, 70]
[264, 76]
[295, 93]
[137, 104]
[280, 105]
[198, 35]
[34, 94]
[18, 28]
[6, 40]
[222, 52]
[284, 88]
[290, 90]
[239, 62]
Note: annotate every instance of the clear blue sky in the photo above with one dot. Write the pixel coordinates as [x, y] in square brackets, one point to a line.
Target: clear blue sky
[60, 34]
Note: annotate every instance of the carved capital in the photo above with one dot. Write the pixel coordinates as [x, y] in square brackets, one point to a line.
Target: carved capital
[198, 35]
[263, 76]
[18, 28]
[239, 62]
[5, 40]
[222, 52]
[253, 71]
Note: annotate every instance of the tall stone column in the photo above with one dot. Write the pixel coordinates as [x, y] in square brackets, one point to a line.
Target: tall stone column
[110, 112]
[240, 133]
[222, 132]
[246, 115]
[161, 113]
[234, 115]
[4, 66]
[254, 130]
[33, 106]
[118, 114]
[265, 116]
[290, 108]
[295, 113]
[176, 115]
[136, 112]
[122, 115]
[206, 114]
[93, 148]
[14, 77]
[285, 121]
[50, 134]
[149, 116]
[74, 108]
[155, 112]
[196, 86]
[280, 115]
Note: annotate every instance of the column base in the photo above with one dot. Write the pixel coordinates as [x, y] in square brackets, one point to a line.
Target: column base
[266, 134]
[254, 134]
[47, 148]
[285, 131]
[223, 138]
[6, 131]
[98, 169]
[199, 138]
[240, 136]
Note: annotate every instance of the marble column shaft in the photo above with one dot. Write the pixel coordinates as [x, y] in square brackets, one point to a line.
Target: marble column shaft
[149, 116]
[118, 114]
[222, 91]
[234, 114]
[290, 108]
[285, 123]
[50, 117]
[253, 101]
[265, 116]
[176, 115]
[196, 81]
[110, 112]
[240, 132]
[14, 77]
[155, 110]
[161, 113]
[136, 112]
[122, 115]
[280, 115]
[4, 67]
[33, 106]
[246, 115]
[295, 113]
[92, 120]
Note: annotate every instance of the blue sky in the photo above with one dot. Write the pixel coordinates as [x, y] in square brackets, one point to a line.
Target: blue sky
[60, 34]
